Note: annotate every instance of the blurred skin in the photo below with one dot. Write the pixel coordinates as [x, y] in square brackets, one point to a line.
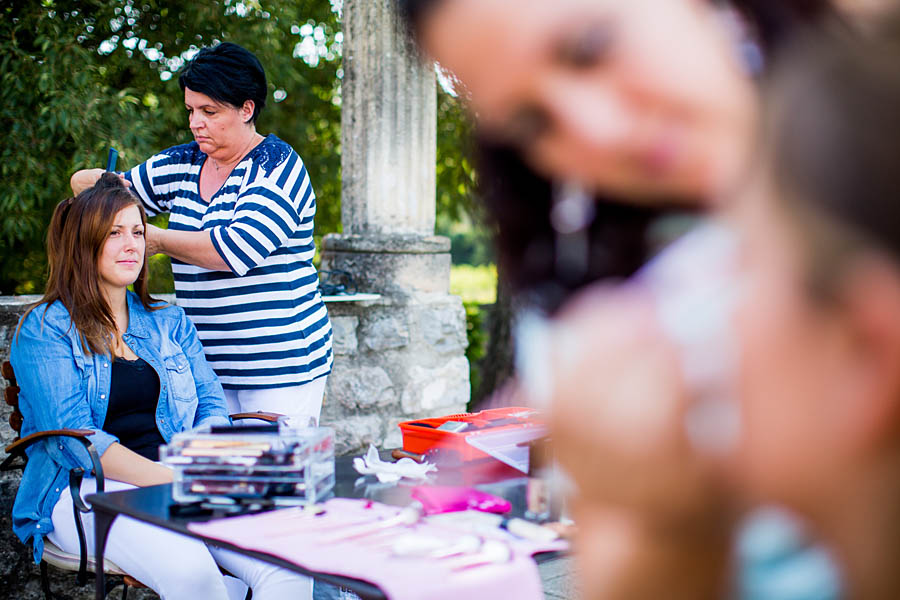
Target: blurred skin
[820, 424]
[820, 391]
[654, 518]
[865, 10]
[778, 325]
[643, 100]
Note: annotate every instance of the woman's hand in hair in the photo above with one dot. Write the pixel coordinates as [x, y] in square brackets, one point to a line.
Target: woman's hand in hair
[85, 178]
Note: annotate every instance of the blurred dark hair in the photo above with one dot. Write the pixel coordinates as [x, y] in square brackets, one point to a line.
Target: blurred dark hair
[227, 73]
[776, 21]
[79, 229]
[832, 122]
[517, 201]
[516, 204]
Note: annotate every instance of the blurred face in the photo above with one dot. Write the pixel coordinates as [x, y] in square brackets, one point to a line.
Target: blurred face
[122, 256]
[219, 129]
[643, 98]
[795, 363]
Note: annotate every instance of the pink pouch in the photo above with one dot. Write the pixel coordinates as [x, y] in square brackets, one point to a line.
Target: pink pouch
[441, 499]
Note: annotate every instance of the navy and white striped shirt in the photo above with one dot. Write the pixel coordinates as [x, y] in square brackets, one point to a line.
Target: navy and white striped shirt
[263, 324]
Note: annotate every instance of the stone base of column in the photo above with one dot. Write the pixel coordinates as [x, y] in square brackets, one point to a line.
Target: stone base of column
[400, 357]
[391, 264]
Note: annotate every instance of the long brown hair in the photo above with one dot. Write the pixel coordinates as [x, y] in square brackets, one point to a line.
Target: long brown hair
[78, 231]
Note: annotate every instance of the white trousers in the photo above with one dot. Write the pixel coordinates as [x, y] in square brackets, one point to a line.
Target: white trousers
[175, 566]
[301, 404]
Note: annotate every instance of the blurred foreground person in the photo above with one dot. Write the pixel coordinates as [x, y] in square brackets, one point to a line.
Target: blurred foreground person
[819, 427]
[820, 326]
[598, 119]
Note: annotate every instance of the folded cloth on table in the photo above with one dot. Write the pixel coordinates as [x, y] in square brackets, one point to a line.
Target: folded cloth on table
[297, 536]
[390, 472]
[437, 499]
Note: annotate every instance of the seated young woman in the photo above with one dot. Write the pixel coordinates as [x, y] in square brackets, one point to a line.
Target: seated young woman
[94, 355]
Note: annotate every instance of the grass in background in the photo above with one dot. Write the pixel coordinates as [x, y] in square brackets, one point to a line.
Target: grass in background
[478, 287]
[474, 284]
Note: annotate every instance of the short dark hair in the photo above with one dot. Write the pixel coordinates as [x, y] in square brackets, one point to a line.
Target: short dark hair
[227, 73]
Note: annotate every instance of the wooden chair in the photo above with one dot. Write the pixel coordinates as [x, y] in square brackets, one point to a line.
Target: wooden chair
[81, 563]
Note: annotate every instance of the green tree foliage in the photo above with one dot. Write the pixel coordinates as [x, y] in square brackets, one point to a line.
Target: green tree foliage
[78, 76]
[455, 173]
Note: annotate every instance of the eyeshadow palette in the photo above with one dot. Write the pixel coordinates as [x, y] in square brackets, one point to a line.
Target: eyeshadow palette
[284, 467]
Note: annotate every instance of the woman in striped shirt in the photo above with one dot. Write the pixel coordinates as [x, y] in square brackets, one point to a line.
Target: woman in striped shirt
[240, 236]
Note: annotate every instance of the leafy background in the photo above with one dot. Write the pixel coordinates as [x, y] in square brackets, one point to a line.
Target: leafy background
[79, 76]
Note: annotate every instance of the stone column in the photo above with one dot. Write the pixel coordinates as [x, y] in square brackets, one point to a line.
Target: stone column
[388, 126]
[402, 356]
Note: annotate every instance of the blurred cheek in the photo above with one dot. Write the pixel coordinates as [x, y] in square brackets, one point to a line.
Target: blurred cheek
[568, 158]
[777, 382]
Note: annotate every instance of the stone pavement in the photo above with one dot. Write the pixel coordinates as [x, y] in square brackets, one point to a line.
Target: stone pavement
[558, 581]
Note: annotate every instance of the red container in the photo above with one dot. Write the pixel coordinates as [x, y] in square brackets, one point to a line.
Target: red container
[422, 436]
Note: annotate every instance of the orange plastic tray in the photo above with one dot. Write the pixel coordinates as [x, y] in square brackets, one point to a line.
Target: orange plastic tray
[422, 436]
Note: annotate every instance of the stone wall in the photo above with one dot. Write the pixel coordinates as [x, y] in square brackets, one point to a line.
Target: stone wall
[396, 358]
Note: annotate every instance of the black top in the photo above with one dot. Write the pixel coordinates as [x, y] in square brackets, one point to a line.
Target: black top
[131, 415]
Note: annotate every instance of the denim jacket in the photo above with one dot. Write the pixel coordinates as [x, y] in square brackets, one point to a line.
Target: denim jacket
[62, 386]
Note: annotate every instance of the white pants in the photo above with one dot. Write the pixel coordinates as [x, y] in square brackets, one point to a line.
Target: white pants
[301, 404]
[175, 566]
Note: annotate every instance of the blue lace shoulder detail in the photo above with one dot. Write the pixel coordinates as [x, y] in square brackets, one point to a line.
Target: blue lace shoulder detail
[270, 153]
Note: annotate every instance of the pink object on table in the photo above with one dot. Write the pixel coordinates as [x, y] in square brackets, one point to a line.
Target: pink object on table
[297, 537]
[444, 498]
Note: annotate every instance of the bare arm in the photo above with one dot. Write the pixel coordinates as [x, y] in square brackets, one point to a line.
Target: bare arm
[193, 247]
[122, 464]
[85, 178]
